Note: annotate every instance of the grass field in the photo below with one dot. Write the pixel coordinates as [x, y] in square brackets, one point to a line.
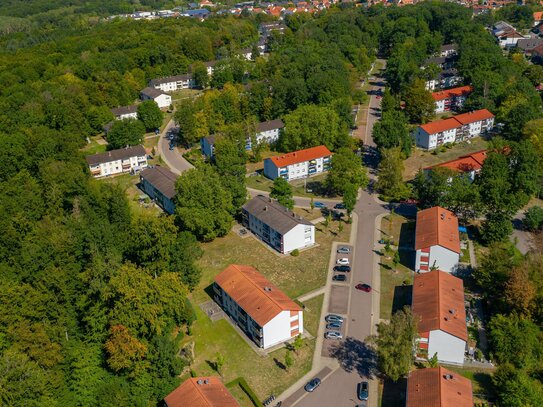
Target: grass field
[421, 159]
[312, 314]
[314, 184]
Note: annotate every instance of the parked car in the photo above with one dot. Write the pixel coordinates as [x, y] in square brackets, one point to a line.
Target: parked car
[363, 287]
[344, 250]
[362, 391]
[343, 269]
[319, 205]
[333, 335]
[333, 318]
[312, 384]
[340, 205]
[334, 325]
[343, 261]
[339, 277]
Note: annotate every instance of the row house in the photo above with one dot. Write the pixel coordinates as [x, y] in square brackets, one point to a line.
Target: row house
[263, 312]
[125, 112]
[298, 164]
[159, 183]
[458, 128]
[469, 165]
[129, 159]
[438, 387]
[277, 225]
[451, 99]
[438, 305]
[506, 35]
[437, 240]
[206, 391]
[162, 99]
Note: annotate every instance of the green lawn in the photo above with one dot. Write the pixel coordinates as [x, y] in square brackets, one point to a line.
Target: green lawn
[128, 183]
[481, 380]
[312, 314]
[94, 147]
[242, 398]
[314, 184]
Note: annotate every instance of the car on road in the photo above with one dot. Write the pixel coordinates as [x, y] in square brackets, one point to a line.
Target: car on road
[334, 325]
[171, 146]
[339, 206]
[339, 277]
[343, 269]
[343, 261]
[319, 205]
[363, 287]
[362, 391]
[333, 318]
[344, 250]
[378, 97]
[312, 384]
[333, 335]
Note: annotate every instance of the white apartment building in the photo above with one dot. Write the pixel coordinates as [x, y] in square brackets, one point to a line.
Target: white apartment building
[264, 313]
[438, 304]
[298, 164]
[125, 112]
[451, 99]
[437, 240]
[129, 159]
[173, 83]
[159, 97]
[276, 225]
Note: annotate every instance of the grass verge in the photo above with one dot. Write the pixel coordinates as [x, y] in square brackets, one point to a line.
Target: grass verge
[300, 187]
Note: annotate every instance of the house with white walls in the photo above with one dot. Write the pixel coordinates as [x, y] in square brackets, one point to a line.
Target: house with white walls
[162, 99]
[129, 159]
[173, 83]
[437, 240]
[125, 112]
[451, 99]
[277, 225]
[298, 164]
[438, 305]
[262, 311]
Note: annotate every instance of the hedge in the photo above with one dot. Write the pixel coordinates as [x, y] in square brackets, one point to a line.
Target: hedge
[240, 381]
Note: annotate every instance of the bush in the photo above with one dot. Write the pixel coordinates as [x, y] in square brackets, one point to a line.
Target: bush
[240, 381]
[533, 218]
[295, 252]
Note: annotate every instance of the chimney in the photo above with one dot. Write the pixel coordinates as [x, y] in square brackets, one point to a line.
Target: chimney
[200, 382]
[265, 208]
[448, 377]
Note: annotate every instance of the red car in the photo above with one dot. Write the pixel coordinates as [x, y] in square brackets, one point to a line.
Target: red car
[363, 287]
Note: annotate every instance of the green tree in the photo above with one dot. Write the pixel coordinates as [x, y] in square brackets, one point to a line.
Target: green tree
[298, 343]
[200, 75]
[394, 342]
[123, 349]
[433, 361]
[419, 104]
[393, 131]
[350, 193]
[390, 182]
[203, 205]
[346, 169]
[533, 218]
[230, 159]
[219, 362]
[289, 360]
[98, 116]
[150, 115]
[282, 191]
[496, 227]
[127, 132]
[516, 388]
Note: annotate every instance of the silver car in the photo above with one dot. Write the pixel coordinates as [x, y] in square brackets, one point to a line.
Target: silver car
[333, 335]
[344, 250]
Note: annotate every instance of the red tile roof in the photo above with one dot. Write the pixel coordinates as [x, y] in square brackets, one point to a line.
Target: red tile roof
[465, 163]
[437, 226]
[254, 293]
[438, 387]
[475, 116]
[438, 300]
[300, 156]
[538, 16]
[201, 392]
[440, 126]
[454, 92]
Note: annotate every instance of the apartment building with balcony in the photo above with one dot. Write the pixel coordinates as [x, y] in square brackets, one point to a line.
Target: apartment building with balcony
[276, 225]
[298, 164]
[159, 183]
[173, 83]
[451, 99]
[263, 312]
[129, 159]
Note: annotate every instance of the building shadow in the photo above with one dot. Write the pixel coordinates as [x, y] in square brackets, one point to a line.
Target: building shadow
[394, 393]
[355, 356]
[518, 225]
[402, 297]
[407, 258]
[407, 235]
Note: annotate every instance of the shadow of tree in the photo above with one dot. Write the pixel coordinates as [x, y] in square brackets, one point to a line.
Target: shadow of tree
[402, 297]
[385, 266]
[212, 365]
[355, 356]
[279, 364]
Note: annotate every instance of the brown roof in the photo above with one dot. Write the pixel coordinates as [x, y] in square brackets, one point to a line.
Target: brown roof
[270, 125]
[114, 155]
[437, 226]
[168, 79]
[254, 293]
[438, 300]
[300, 156]
[201, 392]
[475, 116]
[162, 179]
[438, 387]
[119, 111]
[151, 92]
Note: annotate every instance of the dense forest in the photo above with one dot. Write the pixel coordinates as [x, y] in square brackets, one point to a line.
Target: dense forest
[93, 296]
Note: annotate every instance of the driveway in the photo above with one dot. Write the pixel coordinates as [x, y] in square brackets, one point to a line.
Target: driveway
[172, 158]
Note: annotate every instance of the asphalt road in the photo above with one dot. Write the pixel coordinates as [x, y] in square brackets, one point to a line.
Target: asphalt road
[172, 158]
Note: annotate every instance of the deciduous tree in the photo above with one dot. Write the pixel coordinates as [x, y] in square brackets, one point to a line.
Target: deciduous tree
[346, 169]
[390, 182]
[127, 132]
[282, 191]
[150, 115]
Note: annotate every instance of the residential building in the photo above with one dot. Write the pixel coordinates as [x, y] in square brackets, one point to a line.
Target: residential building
[451, 99]
[506, 34]
[438, 305]
[438, 387]
[129, 159]
[206, 391]
[159, 183]
[443, 62]
[200, 13]
[538, 18]
[447, 78]
[458, 128]
[527, 45]
[210, 66]
[437, 240]
[125, 112]
[173, 83]
[448, 50]
[298, 164]
[159, 97]
[207, 144]
[469, 165]
[266, 315]
[276, 225]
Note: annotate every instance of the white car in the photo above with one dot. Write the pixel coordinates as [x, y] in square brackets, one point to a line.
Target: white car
[344, 261]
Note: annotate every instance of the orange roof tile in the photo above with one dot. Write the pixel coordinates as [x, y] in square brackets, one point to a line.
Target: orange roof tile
[454, 92]
[465, 163]
[437, 226]
[254, 293]
[475, 116]
[300, 156]
[438, 387]
[201, 392]
[440, 125]
[538, 15]
[438, 300]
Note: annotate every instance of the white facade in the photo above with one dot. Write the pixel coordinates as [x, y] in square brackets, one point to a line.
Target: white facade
[176, 82]
[431, 141]
[299, 237]
[279, 329]
[298, 170]
[163, 101]
[449, 348]
[445, 105]
[118, 166]
[131, 115]
[269, 136]
[476, 128]
[436, 257]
